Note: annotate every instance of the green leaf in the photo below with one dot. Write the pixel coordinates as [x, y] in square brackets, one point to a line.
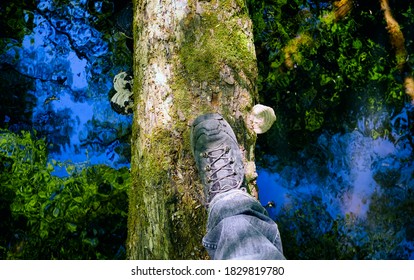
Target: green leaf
[42, 194]
[78, 199]
[56, 212]
[357, 44]
[325, 79]
[73, 208]
[91, 241]
[32, 203]
[50, 167]
[16, 207]
[71, 227]
[44, 229]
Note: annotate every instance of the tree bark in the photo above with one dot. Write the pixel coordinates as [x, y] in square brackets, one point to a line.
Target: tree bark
[190, 57]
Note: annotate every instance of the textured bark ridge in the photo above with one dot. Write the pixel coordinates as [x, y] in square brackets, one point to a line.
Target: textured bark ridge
[190, 57]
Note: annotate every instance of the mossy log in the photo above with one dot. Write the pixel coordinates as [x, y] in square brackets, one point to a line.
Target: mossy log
[190, 57]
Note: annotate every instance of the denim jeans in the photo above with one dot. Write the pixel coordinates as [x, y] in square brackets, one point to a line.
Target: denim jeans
[239, 227]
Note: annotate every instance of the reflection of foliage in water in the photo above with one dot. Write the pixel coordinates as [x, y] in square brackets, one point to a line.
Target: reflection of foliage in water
[14, 23]
[46, 217]
[57, 62]
[350, 195]
[320, 74]
[70, 60]
[342, 149]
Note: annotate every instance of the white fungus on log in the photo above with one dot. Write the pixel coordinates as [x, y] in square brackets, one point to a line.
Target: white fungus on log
[261, 118]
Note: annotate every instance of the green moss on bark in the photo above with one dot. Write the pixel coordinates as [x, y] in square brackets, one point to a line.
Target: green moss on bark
[211, 42]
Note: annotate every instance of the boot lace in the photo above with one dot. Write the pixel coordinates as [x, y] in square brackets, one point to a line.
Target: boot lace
[220, 171]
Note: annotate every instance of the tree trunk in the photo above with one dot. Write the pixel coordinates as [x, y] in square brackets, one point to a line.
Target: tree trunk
[190, 57]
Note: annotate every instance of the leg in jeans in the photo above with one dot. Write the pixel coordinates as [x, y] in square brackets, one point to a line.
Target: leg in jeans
[238, 226]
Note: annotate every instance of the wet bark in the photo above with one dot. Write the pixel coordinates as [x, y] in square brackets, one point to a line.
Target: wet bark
[190, 57]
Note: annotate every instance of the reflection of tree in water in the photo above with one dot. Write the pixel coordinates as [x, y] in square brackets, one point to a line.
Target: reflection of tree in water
[69, 51]
[16, 100]
[103, 137]
[56, 126]
[57, 63]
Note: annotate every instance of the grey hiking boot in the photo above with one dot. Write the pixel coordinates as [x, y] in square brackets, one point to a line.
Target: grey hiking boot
[217, 155]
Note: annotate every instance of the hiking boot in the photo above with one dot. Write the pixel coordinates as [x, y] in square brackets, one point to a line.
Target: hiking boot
[217, 155]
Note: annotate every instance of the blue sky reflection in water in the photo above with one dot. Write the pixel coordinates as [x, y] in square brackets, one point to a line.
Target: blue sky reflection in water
[354, 159]
[356, 167]
[68, 57]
